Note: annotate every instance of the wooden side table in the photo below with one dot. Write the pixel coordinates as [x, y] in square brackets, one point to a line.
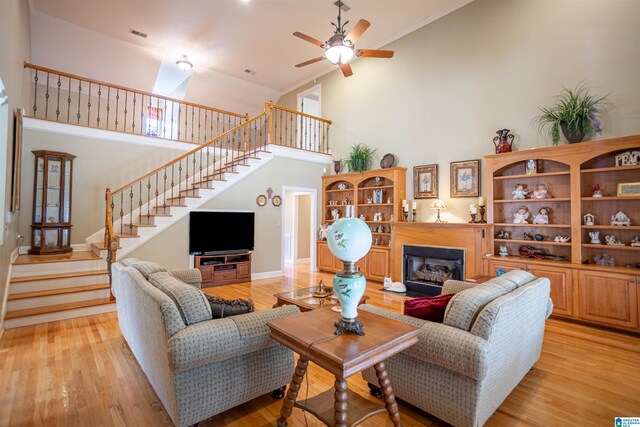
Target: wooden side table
[311, 335]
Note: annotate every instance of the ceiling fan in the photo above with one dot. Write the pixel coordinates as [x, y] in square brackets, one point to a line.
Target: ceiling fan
[339, 48]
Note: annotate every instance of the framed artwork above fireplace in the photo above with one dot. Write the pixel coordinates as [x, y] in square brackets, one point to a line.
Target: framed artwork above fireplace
[465, 178]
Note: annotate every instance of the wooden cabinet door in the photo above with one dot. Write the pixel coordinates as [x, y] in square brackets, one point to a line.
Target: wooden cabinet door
[607, 298]
[325, 258]
[378, 264]
[496, 264]
[362, 264]
[244, 270]
[561, 287]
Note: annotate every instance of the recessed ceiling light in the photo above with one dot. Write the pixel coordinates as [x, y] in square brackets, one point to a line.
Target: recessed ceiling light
[248, 71]
[138, 33]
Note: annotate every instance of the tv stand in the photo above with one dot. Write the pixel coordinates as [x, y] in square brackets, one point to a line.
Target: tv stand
[224, 268]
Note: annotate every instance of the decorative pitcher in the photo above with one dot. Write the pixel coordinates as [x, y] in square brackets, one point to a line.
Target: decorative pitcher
[503, 141]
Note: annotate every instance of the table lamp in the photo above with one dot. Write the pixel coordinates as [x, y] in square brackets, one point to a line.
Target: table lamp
[349, 239]
[439, 204]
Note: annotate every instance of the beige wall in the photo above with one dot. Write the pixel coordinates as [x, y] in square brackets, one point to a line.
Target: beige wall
[303, 242]
[484, 67]
[15, 48]
[171, 247]
[98, 164]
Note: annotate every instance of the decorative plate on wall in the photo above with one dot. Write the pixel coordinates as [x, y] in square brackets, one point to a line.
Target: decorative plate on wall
[277, 201]
[261, 200]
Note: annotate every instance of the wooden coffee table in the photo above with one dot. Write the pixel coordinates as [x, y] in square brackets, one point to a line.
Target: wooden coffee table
[311, 335]
[305, 301]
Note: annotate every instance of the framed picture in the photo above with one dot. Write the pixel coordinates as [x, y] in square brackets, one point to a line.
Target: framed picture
[425, 182]
[465, 178]
[628, 189]
[530, 167]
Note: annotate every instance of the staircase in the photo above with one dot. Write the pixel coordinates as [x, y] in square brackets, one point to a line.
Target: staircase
[54, 287]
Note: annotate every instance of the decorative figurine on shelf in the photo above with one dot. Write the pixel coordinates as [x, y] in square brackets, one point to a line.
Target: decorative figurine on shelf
[543, 216]
[335, 214]
[342, 186]
[377, 241]
[391, 218]
[389, 200]
[503, 142]
[362, 217]
[380, 229]
[527, 236]
[538, 237]
[349, 240]
[635, 242]
[369, 201]
[541, 192]
[595, 237]
[604, 259]
[521, 216]
[589, 219]
[520, 193]
[561, 239]
[503, 251]
[620, 219]
[322, 232]
[612, 240]
[391, 286]
[597, 192]
[503, 235]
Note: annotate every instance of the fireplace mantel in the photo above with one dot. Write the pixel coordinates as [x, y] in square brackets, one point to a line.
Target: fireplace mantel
[471, 237]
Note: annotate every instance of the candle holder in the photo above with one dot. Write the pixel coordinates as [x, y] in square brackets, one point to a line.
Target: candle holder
[406, 216]
[413, 215]
[482, 210]
[473, 219]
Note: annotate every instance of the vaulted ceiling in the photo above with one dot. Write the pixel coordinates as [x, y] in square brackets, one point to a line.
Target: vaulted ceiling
[222, 38]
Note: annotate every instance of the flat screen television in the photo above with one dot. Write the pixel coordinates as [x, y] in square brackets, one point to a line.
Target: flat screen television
[212, 232]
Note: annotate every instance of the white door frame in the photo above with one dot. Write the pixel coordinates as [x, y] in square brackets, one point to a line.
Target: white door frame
[307, 92]
[312, 229]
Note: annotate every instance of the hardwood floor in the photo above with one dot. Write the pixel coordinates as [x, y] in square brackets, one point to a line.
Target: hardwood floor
[80, 372]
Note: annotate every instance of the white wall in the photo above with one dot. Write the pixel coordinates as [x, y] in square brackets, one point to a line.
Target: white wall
[484, 67]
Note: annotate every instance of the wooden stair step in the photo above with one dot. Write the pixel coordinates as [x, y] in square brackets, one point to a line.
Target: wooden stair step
[56, 308]
[60, 291]
[156, 214]
[42, 259]
[126, 236]
[183, 197]
[58, 276]
[140, 225]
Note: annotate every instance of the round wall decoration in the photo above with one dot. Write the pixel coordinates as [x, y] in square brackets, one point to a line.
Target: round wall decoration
[261, 200]
[387, 161]
[277, 201]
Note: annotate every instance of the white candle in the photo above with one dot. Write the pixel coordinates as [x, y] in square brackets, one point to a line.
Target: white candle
[473, 209]
[404, 203]
[482, 201]
[414, 205]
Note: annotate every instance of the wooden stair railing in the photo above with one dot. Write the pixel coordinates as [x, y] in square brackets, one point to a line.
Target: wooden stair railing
[72, 99]
[137, 203]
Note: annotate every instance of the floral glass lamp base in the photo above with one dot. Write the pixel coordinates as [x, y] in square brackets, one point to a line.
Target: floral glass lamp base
[349, 285]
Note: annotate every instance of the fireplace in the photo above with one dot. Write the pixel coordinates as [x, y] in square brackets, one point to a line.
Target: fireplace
[426, 268]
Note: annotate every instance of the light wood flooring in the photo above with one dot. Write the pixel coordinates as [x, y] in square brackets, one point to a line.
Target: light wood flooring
[80, 372]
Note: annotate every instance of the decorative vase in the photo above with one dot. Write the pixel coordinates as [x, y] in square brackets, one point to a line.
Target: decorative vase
[571, 137]
[503, 142]
[349, 239]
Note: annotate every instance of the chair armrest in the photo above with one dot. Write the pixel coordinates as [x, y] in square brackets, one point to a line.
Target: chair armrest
[455, 286]
[549, 308]
[190, 276]
[221, 339]
[448, 347]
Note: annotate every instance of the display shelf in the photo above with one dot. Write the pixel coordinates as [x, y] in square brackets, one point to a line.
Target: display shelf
[611, 169]
[375, 204]
[606, 247]
[381, 233]
[611, 227]
[507, 224]
[378, 222]
[376, 187]
[534, 242]
[609, 198]
[522, 201]
[350, 190]
[535, 175]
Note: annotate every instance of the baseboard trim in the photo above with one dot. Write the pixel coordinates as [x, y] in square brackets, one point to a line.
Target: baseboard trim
[3, 306]
[266, 275]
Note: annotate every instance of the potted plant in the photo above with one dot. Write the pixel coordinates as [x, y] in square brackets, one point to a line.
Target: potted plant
[575, 112]
[359, 158]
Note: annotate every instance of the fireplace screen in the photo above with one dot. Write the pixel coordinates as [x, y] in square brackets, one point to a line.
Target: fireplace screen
[427, 268]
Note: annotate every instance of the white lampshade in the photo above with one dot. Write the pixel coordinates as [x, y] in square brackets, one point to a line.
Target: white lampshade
[339, 54]
[438, 204]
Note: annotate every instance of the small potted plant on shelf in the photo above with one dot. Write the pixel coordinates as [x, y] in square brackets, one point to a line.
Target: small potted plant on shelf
[359, 158]
[575, 113]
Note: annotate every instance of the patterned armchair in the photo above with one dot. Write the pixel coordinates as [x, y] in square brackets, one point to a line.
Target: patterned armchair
[461, 370]
[203, 368]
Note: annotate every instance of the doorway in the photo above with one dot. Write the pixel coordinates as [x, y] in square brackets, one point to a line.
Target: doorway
[309, 103]
[299, 218]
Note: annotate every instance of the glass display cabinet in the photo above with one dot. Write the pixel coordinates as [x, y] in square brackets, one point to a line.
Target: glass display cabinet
[51, 226]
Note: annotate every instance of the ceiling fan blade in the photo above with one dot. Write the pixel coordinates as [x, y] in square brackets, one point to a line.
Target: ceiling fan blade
[311, 61]
[370, 53]
[358, 30]
[346, 70]
[308, 38]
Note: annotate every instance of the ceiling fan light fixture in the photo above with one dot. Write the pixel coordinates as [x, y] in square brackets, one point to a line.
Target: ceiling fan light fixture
[339, 54]
[184, 64]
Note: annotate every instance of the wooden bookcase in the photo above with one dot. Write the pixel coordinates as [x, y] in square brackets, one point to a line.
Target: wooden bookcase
[224, 269]
[580, 289]
[357, 192]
